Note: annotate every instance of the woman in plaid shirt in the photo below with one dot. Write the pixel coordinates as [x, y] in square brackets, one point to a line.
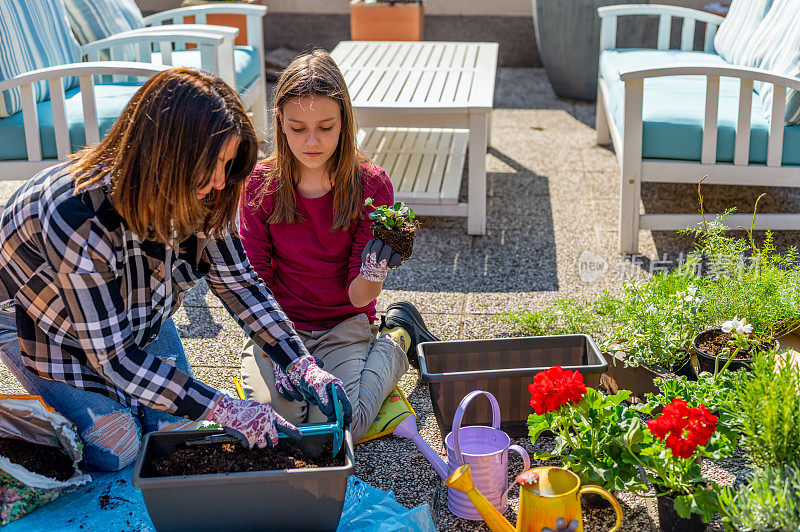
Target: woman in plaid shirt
[96, 254]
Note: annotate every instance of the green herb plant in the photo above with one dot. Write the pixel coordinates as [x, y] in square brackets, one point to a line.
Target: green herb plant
[592, 439]
[771, 502]
[768, 405]
[392, 217]
[565, 316]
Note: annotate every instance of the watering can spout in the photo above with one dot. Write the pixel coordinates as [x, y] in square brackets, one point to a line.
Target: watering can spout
[461, 480]
[408, 429]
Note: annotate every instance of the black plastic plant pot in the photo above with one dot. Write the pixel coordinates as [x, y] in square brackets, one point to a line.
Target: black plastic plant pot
[670, 521]
[708, 362]
[289, 499]
[503, 367]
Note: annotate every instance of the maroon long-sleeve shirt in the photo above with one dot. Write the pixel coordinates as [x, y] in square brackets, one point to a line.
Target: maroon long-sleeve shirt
[309, 268]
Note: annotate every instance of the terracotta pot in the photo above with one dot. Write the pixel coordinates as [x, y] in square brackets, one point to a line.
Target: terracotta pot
[386, 22]
[222, 19]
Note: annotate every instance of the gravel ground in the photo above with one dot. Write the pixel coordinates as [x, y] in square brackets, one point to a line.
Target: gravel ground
[552, 195]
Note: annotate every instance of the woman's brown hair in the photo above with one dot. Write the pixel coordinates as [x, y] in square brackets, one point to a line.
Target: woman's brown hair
[164, 147]
[313, 74]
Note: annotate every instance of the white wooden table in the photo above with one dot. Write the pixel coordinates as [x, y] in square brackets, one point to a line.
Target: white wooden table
[420, 104]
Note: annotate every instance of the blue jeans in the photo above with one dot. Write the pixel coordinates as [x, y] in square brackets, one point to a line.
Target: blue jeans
[110, 431]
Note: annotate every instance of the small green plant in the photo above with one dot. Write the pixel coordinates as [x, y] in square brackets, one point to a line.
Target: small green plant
[391, 217]
[768, 403]
[565, 316]
[771, 502]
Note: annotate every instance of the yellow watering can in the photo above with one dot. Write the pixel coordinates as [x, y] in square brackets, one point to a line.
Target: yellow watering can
[549, 500]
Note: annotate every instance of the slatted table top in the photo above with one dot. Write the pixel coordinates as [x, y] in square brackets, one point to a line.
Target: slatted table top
[419, 76]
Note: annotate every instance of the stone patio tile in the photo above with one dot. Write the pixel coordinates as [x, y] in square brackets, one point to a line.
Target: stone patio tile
[500, 302]
[210, 336]
[478, 326]
[201, 296]
[7, 188]
[599, 159]
[585, 112]
[407, 474]
[9, 383]
[217, 377]
[525, 88]
[601, 185]
[426, 302]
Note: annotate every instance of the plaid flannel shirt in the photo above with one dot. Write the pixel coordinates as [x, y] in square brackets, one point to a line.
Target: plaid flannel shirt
[90, 294]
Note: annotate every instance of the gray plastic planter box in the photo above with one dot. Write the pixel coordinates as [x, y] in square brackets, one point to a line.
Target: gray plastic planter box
[291, 499]
[503, 367]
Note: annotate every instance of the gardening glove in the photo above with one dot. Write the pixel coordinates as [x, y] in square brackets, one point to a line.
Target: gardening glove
[316, 386]
[284, 386]
[255, 424]
[377, 259]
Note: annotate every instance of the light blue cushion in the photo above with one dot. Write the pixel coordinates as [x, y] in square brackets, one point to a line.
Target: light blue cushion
[93, 20]
[674, 109]
[738, 27]
[245, 60]
[34, 34]
[111, 100]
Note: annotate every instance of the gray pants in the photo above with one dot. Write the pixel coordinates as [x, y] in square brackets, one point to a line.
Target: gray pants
[369, 367]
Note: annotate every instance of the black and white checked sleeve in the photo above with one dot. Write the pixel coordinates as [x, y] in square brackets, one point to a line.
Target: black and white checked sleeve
[81, 253]
[249, 301]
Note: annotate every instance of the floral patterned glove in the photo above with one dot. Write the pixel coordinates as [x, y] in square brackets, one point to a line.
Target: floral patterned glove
[316, 386]
[255, 424]
[377, 259]
[284, 386]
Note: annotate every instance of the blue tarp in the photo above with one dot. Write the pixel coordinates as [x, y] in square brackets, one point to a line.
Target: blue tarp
[111, 503]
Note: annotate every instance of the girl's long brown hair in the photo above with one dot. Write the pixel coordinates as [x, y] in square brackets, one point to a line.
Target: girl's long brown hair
[164, 147]
[311, 74]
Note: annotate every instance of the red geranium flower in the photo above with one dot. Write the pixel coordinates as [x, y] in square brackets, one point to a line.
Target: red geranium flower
[683, 428]
[555, 387]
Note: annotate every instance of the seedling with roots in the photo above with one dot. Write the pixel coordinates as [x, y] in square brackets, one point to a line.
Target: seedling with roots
[392, 217]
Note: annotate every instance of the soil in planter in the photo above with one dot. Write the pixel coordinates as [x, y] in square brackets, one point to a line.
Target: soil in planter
[48, 461]
[713, 344]
[401, 239]
[222, 458]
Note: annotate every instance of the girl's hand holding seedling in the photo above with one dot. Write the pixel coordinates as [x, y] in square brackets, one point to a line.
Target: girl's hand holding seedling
[255, 424]
[377, 259]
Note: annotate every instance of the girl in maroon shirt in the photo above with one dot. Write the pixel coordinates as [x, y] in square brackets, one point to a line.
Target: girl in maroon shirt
[306, 232]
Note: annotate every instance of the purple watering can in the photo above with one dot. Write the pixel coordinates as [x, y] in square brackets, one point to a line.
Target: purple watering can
[485, 449]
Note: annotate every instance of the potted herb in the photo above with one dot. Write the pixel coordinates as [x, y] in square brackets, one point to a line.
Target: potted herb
[284, 489]
[669, 450]
[386, 20]
[770, 501]
[591, 429]
[395, 225]
[731, 346]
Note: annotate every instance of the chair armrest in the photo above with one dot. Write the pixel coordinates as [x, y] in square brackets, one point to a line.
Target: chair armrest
[99, 68]
[609, 15]
[634, 101]
[215, 46]
[254, 15]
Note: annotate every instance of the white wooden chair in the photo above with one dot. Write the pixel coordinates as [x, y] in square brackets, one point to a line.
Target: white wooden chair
[622, 96]
[254, 95]
[55, 128]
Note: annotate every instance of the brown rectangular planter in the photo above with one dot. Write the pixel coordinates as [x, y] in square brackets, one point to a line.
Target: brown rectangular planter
[503, 367]
[385, 22]
[637, 379]
[290, 499]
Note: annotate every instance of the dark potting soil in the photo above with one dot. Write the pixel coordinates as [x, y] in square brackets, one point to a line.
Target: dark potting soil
[714, 342]
[48, 461]
[401, 239]
[221, 458]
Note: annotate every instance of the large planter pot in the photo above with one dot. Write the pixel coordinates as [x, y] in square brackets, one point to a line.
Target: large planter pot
[568, 37]
[290, 499]
[708, 362]
[639, 380]
[670, 521]
[386, 22]
[503, 367]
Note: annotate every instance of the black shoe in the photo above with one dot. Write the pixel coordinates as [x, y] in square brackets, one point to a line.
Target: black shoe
[405, 315]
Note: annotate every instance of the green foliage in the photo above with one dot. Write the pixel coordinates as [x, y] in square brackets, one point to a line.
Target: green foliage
[565, 316]
[391, 217]
[658, 318]
[768, 406]
[601, 433]
[770, 503]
